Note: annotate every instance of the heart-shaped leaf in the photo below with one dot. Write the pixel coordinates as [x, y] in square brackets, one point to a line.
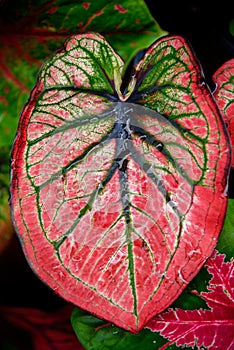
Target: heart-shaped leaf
[118, 189]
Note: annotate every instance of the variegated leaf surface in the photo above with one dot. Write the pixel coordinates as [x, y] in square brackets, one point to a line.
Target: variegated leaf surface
[118, 188]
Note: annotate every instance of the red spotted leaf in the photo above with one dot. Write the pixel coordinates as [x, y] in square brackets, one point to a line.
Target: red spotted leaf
[212, 329]
[115, 192]
[224, 95]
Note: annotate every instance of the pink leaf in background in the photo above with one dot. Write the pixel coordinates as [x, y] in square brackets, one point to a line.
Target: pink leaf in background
[214, 328]
[224, 95]
[46, 330]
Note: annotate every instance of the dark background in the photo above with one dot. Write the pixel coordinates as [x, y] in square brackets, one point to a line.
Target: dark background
[205, 24]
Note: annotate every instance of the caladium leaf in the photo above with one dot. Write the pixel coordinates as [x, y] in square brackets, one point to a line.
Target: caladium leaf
[212, 329]
[115, 192]
[224, 95]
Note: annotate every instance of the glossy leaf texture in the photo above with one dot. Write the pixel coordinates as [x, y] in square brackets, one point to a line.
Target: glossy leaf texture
[224, 95]
[115, 192]
[213, 328]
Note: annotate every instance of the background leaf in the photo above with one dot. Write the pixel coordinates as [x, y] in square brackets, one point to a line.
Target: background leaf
[31, 31]
[224, 96]
[96, 334]
[204, 327]
[37, 329]
[226, 240]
